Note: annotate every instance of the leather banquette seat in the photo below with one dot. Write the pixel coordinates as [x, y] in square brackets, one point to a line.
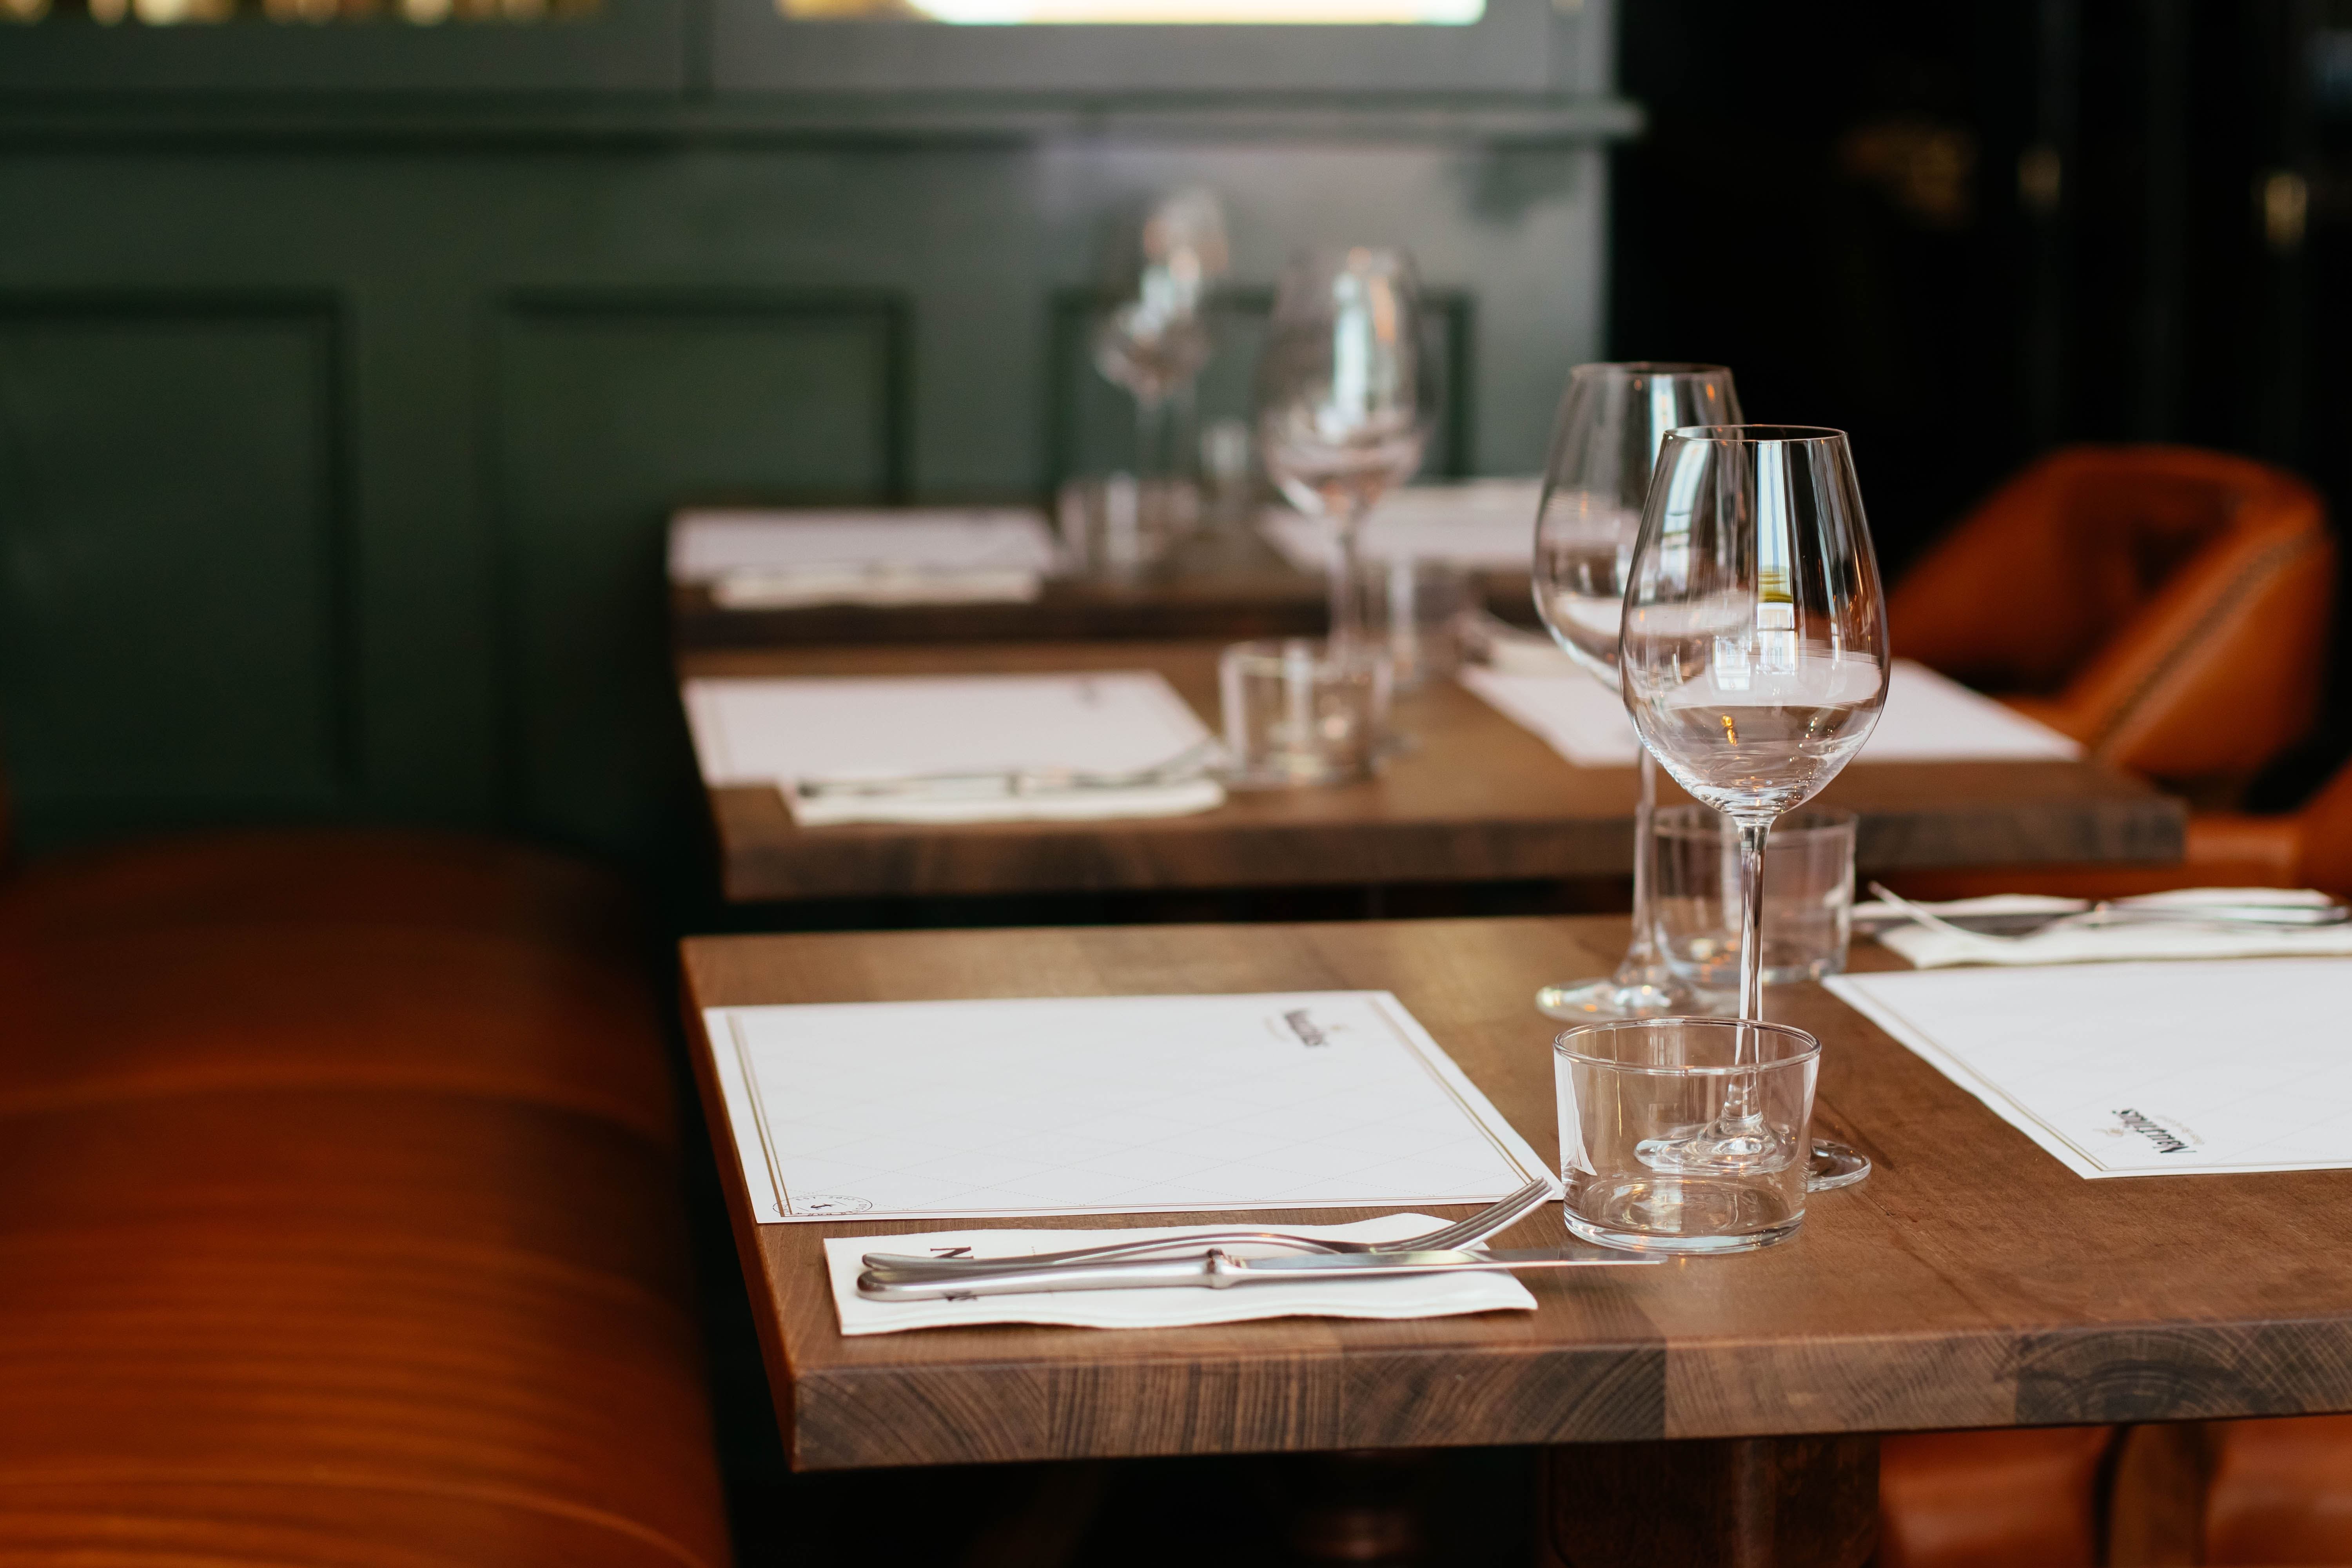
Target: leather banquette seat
[338, 1217]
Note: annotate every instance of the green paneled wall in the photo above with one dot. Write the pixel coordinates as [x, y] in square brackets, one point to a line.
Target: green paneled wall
[172, 553]
[335, 469]
[611, 409]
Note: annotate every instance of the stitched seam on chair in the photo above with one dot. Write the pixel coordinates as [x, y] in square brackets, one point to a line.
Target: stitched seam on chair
[2256, 571]
[307, 1479]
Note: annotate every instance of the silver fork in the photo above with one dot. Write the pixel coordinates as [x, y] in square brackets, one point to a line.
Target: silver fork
[1450, 1238]
[2104, 913]
[1191, 761]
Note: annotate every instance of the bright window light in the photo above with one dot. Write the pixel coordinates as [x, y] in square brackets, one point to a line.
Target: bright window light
[1291, 13]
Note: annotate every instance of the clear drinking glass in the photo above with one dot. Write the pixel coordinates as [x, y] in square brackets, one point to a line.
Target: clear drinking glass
[1604, 444]
[1808, 915]
[1754, 660]
[1346, 400]
[1296, 716]
[1629, 1086]
[1414, 610]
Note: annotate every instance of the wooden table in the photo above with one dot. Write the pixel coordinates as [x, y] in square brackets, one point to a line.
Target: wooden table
[1230, 586]
[1478, 799]
[1971, 1282]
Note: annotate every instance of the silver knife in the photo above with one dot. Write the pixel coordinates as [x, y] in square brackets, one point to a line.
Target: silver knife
[1221, 1270]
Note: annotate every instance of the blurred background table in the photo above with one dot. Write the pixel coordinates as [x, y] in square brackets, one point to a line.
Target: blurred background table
[1230, 585]
[1474, 799]
[1953, 1289]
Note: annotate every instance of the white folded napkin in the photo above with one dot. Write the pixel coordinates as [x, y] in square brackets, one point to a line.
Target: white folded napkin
[1499, 646]
[945, 740]
[1178, 798]
[1928, 718]
[784, 588]
[1414, 1296]
[938, 555]
[1928, 948]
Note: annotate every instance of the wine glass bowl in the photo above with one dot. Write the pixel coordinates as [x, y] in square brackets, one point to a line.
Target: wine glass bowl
[1345, 398]
[1753, 645]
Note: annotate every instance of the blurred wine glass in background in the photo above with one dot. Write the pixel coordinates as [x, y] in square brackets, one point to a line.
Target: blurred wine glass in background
[1347, 398]
[1156, 340]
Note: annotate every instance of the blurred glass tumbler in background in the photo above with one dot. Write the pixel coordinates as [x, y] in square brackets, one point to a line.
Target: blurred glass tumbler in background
[1808, 896]
[1295, 715]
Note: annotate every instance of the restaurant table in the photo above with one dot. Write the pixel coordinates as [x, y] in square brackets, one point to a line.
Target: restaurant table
[1710, 1410]
[1473, 798]
[1231, 585]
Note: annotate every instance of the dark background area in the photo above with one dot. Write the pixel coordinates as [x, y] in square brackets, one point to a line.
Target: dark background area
[1968, 233]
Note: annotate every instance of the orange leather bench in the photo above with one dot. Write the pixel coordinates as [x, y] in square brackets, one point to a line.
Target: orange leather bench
[338, 1215]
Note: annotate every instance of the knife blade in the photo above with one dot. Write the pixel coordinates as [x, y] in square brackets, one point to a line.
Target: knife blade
[1220, 1270]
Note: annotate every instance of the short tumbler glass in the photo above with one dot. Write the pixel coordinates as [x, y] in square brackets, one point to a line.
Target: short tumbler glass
[1414, 609]
[1632, 1087]
[1808, 896]
[1298, 712]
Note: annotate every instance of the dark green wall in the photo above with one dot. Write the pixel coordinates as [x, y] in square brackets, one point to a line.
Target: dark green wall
[333, 464]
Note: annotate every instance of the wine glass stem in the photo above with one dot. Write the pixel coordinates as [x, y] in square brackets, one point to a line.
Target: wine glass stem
[1739, 1093]
[1643, 951]
[1147, 437]
[1347, 582]
[1751, 919]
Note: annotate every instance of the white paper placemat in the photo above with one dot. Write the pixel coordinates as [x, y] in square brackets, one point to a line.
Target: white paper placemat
[2141, 1069]
[884, 727]
[1928, 717]
[707, 545]
[1424, 1296]
[1478, 522]
[1104, 1105]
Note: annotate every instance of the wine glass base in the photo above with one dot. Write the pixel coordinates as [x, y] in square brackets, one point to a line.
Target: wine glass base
[1833, 1166]
[1587, 1001]
[1725, 1149]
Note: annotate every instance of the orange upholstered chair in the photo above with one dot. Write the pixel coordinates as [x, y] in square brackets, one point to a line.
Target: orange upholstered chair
[2274, 1493]
[338, 1217]
[1992, 1499]
[2164, 606]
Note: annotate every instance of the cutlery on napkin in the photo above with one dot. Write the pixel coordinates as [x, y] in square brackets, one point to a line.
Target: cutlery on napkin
[2193, 922]
[1439, 1294]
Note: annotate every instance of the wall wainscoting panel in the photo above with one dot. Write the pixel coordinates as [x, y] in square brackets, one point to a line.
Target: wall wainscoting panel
[611, 410]
[174, 638]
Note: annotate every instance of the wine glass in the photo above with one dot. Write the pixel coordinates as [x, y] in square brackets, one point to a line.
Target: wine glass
[1155, 342]
[1346, 400]
[1603, 445]
[1753, 654]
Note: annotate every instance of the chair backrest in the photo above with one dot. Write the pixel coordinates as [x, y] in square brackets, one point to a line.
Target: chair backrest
[2325, 836]
[2169, 604]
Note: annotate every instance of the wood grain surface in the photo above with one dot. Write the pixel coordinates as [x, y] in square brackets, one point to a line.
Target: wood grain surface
[1474, 798]
[1972, 1281]
[1229, 586]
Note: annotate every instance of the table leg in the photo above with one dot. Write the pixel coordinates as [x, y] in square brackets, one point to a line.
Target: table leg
[1740, 1503]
